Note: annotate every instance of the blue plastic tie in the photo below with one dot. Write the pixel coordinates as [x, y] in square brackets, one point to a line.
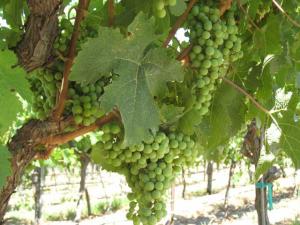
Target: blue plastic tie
[270, 192]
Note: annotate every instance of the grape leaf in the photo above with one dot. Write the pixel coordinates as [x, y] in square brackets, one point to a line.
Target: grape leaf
[267, 40]
[179, 8]
[143, 74]
[9, 37]
[253, 7]
[189, 122]
[133, 92]
[12, 12]
[130, 9]
[5, 168]
[12, 84]
[170, 113]
[264, 164]
[99, 55]
[226, 117]
[290, 131]
[265, 93]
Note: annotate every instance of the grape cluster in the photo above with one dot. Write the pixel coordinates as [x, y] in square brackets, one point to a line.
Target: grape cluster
[88, 29]
[160, 7]
[149, 167]
[84, 100]
[66, 28]
[44, 85]
[215, 43]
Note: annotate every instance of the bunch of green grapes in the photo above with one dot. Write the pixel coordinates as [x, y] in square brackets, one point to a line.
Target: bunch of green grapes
[160, 7]
[113, 151]
[149, 186]
[84, 101]
[215, 43]
[88, 29]
[109, 150]
[149, 167]
[66, 29]
[44, 85]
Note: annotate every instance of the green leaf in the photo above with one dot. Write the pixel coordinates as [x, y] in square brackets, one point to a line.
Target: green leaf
[265, 93]
[170, 113]
[267, 40]
[179, 8]
[12, 12]
[12, 85]
[99, 55]
[189, 122]
[133, 92]
[9, 37]
[160, 68]
[142, 74]
[3, 3]
[264, 164]
[5, 165]
[130, 9]
[253, 7]
[290, 131]
[226, 117]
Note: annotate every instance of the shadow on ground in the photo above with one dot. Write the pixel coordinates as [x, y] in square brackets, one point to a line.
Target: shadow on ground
[217, 215]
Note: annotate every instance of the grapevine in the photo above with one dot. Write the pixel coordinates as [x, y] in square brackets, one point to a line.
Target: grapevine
[151, 166]
[156, 102]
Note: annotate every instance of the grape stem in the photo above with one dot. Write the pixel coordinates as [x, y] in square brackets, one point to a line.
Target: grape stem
[111, 12]
[295, 23]
[59, 108]
[66, 137]
[178, 22]
[183, 56]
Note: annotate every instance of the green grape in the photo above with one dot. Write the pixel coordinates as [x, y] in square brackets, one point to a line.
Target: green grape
[44, 84]
[171, 2]
[161, 13]
[149, 186]
[159, 7]
[197, 49]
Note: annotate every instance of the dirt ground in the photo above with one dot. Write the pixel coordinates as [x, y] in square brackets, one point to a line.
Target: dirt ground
[209, 209]
[201, 209]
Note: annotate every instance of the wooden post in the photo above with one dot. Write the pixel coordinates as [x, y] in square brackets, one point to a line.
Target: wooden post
[231, 172]
[209, 177]
[38, 182]
[84, 161]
